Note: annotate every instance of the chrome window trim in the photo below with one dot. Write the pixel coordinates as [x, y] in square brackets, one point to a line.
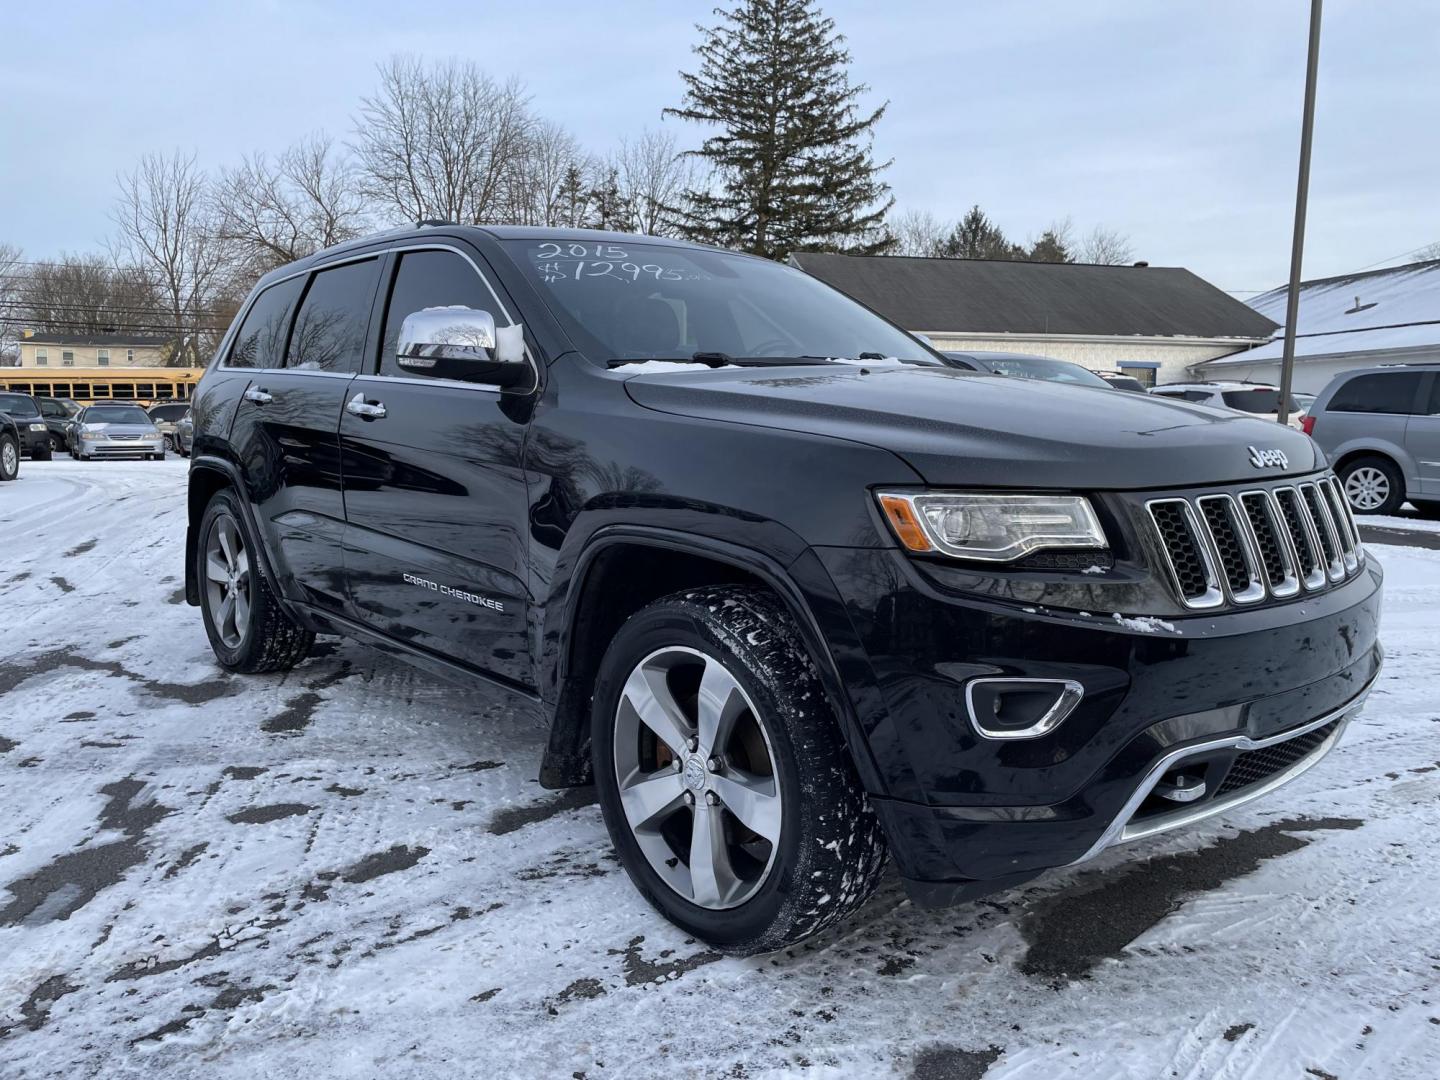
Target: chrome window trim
[1316, 578]
[1336, 567]
[1249, 549]
[1119, 830]
[1289, 583]
[238, 321]
[1071, 694]
[1214, 595]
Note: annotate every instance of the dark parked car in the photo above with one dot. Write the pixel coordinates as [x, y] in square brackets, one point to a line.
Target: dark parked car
[34, 435]
[58, 413]
[1380, 428]
[9, 448]
[1118, 380]
[788, 587]
[1024, 366]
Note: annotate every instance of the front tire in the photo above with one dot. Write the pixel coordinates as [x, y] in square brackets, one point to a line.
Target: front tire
[9, 458]
[1373, 485]
[722, 776]
[249, 632]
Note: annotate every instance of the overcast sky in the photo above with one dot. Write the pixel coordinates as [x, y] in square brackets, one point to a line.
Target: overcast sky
[1176, 123]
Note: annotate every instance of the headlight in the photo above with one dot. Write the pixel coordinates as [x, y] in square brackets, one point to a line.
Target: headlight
[92, 434]
[990, 528]
[37, 427]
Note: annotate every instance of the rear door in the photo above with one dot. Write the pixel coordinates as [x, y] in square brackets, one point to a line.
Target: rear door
[435, 497]
[286, 428]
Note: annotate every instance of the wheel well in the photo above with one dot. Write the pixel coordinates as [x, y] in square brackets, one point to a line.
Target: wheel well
[204, 483]
[1356, 455]
[619, 581]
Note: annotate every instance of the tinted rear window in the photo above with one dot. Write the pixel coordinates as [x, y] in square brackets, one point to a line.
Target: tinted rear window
[1257, 401]
[330, 328]
[1378, 392]
[168, 412]
[260, 342]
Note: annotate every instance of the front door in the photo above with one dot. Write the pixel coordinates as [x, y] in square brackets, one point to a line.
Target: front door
[435, 496]
[286, 429]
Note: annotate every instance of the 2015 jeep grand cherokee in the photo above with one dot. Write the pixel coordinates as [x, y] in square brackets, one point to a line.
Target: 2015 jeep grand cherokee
[787, 588]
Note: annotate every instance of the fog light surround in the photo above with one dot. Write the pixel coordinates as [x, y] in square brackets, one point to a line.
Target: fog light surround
[1011, 708]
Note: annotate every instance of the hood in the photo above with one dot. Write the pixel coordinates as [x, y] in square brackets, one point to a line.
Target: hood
[960, 428]
[122, 429]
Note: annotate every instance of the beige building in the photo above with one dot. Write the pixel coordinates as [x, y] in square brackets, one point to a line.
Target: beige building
[1154, 323]
[41, 350]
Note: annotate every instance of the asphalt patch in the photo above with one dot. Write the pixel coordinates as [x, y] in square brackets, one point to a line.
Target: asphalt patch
[35, 1010]
[295, 716]
[260, 815]
[12, 675]
[517, 817]
[242, 772]
[72, 880]
[639, 971]
[1069, 934]
[6, 745]
[1381, 534]
[381, 863]
[81, 549]
[580, 988]
[61, 584]
[188, 856]
[953, 1063]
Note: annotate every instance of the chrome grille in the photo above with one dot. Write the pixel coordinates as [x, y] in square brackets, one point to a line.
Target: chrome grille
[1259, 544]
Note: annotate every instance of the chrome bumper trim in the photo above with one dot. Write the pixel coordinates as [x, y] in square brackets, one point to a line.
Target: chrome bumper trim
[1120, 830]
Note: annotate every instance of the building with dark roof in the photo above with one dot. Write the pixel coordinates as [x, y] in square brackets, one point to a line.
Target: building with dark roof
[1152, 322]
[40, 349]
[1352, 321]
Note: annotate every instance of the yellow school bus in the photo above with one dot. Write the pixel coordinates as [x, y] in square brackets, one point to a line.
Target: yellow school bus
[142, 385]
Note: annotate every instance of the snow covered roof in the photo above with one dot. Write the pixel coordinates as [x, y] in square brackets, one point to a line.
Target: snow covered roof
[1379, 311]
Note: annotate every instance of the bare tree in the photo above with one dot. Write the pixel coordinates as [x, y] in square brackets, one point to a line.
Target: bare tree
[919, 232]
[1105, 246]
[543, 177]
[653, 176]
[441, 142]
[11, 279]
[87, 294]
[1426, 253]
[168, 231]
[273, 212]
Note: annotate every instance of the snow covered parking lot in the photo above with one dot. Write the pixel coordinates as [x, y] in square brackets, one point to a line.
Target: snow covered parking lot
[349, 870]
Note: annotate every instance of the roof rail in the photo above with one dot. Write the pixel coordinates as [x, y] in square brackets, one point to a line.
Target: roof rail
[429, 221]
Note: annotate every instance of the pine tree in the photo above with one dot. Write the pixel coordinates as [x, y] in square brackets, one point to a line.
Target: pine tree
[609, 209]
[1051, 247]
[571, 198]
[976, 237]
[791, 159]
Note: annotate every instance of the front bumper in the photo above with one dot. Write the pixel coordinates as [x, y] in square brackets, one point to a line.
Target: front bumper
[967, 815]
[121, 447]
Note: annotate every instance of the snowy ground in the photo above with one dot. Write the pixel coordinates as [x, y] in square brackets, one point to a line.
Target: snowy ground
[350, 871]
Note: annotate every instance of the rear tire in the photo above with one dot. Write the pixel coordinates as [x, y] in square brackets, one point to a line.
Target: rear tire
[9, 458]
[780, 757]
[251, 634]
[1373, 485]
[1427, 508]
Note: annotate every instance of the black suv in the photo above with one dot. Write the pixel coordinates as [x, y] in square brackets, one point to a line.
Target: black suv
[787, 587]
[34, 434]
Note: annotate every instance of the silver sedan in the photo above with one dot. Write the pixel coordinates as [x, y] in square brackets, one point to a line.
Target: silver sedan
[115, 431]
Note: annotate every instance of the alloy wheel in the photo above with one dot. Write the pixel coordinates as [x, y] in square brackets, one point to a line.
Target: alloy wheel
[227, 581]
[1367, 488]
[10, 455]
[697, 777]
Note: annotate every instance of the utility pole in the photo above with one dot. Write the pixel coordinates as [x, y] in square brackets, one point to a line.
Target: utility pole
[1302, 197]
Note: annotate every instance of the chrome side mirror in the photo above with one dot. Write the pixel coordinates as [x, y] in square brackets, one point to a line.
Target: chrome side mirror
[463, 343]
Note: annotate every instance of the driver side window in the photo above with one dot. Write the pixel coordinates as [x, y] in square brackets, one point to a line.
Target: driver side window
[426, 279]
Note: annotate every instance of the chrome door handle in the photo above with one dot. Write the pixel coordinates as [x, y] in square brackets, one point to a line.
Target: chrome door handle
[259, 396]
[366, 410]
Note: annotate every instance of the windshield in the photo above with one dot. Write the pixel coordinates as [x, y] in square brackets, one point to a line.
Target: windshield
[18, 406]
[1258, 400]
[1042, 367]
[116, 414]
[654, 302]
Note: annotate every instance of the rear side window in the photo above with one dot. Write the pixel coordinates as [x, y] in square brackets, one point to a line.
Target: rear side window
[260, 342]
[330, 327]
[428, 279]
[168, 412]
[1379, 392]
[1257, 401]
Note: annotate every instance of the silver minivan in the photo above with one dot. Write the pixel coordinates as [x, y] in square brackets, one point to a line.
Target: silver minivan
[1380, 428]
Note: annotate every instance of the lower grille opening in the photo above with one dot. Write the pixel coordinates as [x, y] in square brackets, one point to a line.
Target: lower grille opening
[1256, 766]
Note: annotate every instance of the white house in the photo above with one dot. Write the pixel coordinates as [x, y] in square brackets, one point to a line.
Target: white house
[1152, 322]
[1355, 320]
